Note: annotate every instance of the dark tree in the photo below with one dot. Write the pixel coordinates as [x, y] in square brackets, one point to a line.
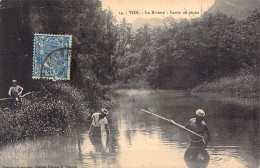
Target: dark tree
[16, 43]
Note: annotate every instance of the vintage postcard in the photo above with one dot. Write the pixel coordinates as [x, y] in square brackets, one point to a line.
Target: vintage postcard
[129, 83]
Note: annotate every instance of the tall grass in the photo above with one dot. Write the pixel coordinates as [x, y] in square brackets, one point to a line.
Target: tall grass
[245, 83]
[57, 109]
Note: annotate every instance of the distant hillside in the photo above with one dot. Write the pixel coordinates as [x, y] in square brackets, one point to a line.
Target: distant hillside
[154, 22]
[239, 9]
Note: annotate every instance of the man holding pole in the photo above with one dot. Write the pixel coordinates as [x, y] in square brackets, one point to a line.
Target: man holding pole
[197, 143]
[198, 126]
[195, 126]
[15, 92]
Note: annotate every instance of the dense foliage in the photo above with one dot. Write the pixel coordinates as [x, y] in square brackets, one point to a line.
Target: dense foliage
[245, 83]
[183, 55]
[59, 109]
[61, 105]
[177, 55]
[94, 38]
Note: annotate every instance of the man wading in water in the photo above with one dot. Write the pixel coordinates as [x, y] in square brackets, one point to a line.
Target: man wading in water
[98, 126]
[198, 126]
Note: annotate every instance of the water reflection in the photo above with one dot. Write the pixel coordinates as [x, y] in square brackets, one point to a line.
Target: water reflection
[196, 158]
[141, 140]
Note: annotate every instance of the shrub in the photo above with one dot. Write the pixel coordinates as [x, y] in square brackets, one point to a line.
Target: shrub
[244, 83]
[58, 109]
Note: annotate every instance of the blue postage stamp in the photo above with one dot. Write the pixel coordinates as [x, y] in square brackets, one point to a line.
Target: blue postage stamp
[52, 56]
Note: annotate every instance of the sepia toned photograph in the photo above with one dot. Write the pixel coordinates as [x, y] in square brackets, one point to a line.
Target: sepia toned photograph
[129, 83]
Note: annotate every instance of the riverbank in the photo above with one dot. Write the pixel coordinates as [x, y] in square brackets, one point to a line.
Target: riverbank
[57, 109]
[131, 84]
[246, 83]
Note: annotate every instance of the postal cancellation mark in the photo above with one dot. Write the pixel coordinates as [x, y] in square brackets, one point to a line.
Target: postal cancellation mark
[52, 57]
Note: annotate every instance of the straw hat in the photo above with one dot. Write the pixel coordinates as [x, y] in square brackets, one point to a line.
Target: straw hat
[200, 113]
[104, 111]
[5, 109]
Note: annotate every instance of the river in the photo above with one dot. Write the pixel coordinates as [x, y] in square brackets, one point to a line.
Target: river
[139, 139]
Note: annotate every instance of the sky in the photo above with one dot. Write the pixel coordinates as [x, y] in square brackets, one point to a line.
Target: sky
[123, 8]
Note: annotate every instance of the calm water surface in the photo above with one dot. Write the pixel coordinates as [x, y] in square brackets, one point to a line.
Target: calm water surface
[141, 140]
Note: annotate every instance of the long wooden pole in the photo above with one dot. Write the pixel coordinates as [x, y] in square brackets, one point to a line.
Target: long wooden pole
[21, 96]
[173, 122]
